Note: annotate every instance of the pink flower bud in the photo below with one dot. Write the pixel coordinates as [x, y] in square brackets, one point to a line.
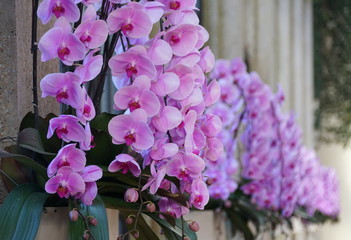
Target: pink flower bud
[150, 207]
[73, 215]
[209, 181]
[194, 226]
[186, 238]
[93, 221]
[86, 236]
[131, 195]
[129, 220]
[136, 235]
[228, 204]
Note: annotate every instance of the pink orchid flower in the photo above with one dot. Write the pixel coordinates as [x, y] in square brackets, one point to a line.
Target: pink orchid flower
[132, 130]
[160, 52]
[207, 61]
[175, 5]
[172, 208]
[131, 20]
[70, 156]
[65, 87]
[199, 196]
[91, 66]
[87, 112]
[166, 83]
[162, 149]
[67, 128]
[132, 64]
[168, 119]
[66, 183]
[124, 163]
[182, 38]
[90, 175]
[60, 42]
[66, 8]
[137, 96]
[93, 33]
[214, 148]
[88, 141]
[185, 166]
[155, 181]
[187, 83]
[89, 194]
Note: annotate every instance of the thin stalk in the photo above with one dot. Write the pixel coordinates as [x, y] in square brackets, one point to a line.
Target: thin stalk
[34, 51]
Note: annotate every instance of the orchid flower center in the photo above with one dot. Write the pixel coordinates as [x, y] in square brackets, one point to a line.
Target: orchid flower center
[85, 38]
[58, 10]
[61, 131]
[134, 105]
[131, 70]
[175, 5]
[130, 138]
[61, 95]
[63, 52]
[183, 174]
[86, 110]
[62, 190]
[63, 162]
[198, 199]
[124, 168]
[175, 39]
[126, 28]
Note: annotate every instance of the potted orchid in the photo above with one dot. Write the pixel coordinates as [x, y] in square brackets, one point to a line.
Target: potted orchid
[177, 139]
[145, 158]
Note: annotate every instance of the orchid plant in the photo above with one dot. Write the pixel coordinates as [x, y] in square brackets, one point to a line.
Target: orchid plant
[154, 149]
[264, 164]
[177, 139]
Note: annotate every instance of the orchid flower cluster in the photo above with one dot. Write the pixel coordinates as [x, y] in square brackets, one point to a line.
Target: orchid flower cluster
[282, 174]
[162, 95]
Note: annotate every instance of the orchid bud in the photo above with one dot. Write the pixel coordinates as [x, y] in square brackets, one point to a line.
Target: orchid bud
[228, 204]
[186, 238]
[129, 220]
[136, 235]
[86, 236]
[93, 221]
[131, 195]
[73, 215]
[209, 181]
[150, 207]
[194, 226]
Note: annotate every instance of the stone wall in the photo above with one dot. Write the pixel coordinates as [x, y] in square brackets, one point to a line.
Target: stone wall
[16, 70]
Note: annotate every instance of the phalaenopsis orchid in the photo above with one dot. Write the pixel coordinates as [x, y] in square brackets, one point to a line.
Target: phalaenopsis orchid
[156, 55]
[277, 171]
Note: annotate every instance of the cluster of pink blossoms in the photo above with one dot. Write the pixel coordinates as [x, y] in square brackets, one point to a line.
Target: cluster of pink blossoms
[274, 161]
[224, 171]
[162, 90]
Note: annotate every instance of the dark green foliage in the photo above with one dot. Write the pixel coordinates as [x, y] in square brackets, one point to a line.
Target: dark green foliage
[332, 49]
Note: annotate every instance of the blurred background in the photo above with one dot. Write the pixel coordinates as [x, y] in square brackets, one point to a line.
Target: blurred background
[302, 45]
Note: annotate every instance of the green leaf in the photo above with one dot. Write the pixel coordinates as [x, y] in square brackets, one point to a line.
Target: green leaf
[145, 231]
[177, 230]
[104, 151]
[24, 160]
[29, 138]
[101, 121]
[118, 203]
[98, 211]
[20, 213]
[29, 220]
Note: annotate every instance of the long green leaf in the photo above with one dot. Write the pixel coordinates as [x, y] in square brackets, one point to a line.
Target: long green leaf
[98, 211]
[29, 220]
[25, 161]
[19, 208]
